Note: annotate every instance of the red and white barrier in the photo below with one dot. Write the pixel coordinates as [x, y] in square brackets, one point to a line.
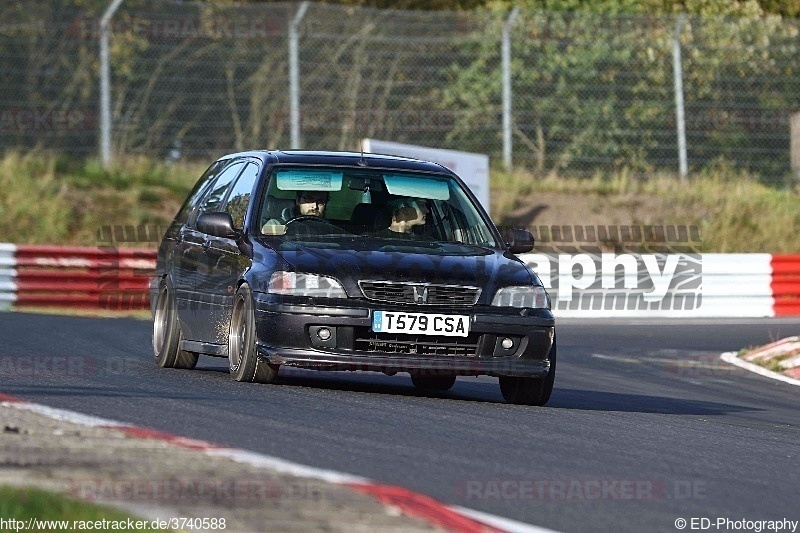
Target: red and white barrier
[114, 279]
[785, 284]
[761, 284]
[722, 285]
[730, 285]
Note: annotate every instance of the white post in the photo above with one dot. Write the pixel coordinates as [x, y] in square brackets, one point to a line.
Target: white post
[506, 58]
[105, 85]
[294, 76]
[678, 75]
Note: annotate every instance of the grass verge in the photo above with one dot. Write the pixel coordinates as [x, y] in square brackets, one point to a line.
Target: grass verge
[774, 363]
[39, 510]
[735, 213]
[52, 199]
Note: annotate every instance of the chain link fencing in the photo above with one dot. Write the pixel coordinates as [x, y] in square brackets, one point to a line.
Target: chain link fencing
[589, 94]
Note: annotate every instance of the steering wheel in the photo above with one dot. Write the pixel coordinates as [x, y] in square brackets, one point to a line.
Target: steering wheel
[314, 227]
[302, 218]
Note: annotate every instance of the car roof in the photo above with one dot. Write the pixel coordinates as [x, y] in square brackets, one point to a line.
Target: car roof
[313, 157]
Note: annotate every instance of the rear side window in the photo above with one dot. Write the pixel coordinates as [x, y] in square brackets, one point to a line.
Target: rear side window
[202, 184]
[212, 198]
[239, 197]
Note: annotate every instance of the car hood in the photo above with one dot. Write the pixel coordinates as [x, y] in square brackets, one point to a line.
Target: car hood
[442, 263]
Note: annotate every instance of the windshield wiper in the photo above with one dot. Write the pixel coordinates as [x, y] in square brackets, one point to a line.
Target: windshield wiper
[482, 246]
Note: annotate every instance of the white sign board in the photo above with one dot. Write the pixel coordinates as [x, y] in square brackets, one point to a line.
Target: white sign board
[472, 168]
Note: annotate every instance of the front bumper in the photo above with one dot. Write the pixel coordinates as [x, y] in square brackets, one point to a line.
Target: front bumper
[288, 335]
[462, 366]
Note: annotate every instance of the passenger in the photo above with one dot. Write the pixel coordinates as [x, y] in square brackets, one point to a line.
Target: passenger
[407, 213]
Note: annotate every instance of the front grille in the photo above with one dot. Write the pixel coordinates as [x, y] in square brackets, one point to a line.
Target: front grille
[389, 343]
[420, 293]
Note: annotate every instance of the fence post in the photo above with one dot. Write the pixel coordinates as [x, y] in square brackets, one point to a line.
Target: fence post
[677, 69]
[506, 59]
[105, 85]
[294, 75]
[794, 144]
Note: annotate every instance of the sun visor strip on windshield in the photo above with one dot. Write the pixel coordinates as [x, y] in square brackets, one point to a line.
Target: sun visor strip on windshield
[309, 180]
[416, 186]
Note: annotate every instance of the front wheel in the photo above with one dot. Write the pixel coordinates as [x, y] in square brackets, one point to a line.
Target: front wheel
[167, 334]
[243, 359]
[530, 391]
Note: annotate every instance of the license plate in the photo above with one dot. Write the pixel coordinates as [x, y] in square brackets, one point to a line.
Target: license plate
[420, 323]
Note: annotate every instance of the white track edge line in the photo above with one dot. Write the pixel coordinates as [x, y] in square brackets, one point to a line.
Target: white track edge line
[285, 467]
[506, 524]
[731, 357]
[66, 416]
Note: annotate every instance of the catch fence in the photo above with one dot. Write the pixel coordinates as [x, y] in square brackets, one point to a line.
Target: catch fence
[586, 93]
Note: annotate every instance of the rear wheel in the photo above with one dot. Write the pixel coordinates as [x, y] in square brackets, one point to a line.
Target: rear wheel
[530, 391]
[167, 334]
[440, 383]
[243, 359]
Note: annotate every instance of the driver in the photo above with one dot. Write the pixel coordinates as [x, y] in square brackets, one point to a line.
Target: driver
[306, 203]
[311, 203]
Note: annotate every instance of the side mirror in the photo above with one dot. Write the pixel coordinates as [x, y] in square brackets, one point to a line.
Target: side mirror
[218, 225]
[519, 241]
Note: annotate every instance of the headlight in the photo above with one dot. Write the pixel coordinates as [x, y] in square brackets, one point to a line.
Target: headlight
[299, 284]
[522, 296]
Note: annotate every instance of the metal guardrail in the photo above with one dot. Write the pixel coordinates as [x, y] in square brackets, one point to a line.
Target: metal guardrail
[117, 279]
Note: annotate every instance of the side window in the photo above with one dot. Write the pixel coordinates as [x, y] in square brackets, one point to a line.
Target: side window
[239, 197]
[213, 196]
[191, 200]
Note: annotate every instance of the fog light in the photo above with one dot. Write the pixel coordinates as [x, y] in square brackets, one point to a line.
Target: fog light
[507, 343]
[324, 334]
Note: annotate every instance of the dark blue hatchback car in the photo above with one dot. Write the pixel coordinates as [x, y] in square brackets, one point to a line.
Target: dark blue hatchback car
[348, 261]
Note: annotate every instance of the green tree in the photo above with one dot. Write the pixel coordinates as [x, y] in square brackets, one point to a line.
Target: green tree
[595, 92]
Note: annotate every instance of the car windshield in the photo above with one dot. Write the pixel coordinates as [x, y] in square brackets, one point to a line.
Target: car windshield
[320, 203]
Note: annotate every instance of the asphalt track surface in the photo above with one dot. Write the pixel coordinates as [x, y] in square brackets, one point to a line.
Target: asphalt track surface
[646, 424]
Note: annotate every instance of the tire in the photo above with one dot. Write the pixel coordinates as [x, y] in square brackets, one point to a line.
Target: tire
[530, 391]
[167, 334]
[438, 383]
[243, 359]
